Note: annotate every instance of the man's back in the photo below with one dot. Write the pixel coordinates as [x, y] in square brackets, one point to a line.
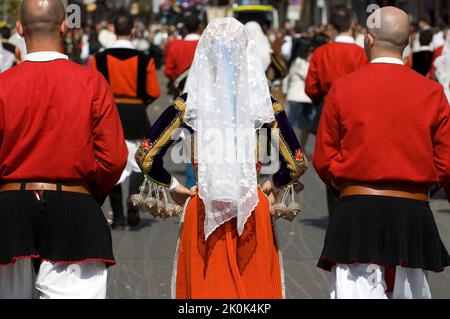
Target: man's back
[383, 143]
[130, 73]
[330, 62]
[179, 57]
[385, 121]
[56, 111]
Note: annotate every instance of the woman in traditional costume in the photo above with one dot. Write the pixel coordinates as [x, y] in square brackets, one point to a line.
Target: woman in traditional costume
[227, 247]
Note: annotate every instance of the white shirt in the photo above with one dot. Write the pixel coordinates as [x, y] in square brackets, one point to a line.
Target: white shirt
[388, 60]
[344, 39]
[192, 37]
[295, 81]
[6, 59]
[122, 44]
[426, 48]
[106, 38]
[360, 40]
[286, 48]
[19, 42]
[45, 56]
[438, 40]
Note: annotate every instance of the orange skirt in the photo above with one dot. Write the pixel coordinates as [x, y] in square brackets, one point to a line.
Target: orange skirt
[228, 266]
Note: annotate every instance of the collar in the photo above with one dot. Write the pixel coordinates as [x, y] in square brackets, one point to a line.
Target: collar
[344, 39]
[45, 56]
[192, 37]
[388, 60]
[124, 44]
[425, 48]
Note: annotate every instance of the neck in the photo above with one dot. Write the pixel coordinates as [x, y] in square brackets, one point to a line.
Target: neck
[386, 54]
[39, 45]
[124, 37]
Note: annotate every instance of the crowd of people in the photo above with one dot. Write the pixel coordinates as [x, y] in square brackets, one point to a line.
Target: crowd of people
[84, 130]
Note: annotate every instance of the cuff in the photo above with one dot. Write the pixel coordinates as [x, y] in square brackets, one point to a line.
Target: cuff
[173, 184]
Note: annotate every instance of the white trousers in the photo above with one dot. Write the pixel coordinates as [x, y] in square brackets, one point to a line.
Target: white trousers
[367, 281]
[53, 281]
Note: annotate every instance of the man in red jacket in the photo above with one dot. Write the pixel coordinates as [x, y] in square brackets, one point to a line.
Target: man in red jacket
[336, 59]
[330, 62]
[380, 145]
[180, 53]
[61, 152]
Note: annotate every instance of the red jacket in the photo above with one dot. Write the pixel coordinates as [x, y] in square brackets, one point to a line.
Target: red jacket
[330, 62]
[384, 123]
[59, 122]
[179, 57]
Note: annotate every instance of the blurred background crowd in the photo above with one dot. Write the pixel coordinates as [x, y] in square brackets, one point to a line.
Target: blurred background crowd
[287, 33]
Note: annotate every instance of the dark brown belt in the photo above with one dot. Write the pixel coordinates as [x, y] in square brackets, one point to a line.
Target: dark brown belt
[64, 187]
[420, 193]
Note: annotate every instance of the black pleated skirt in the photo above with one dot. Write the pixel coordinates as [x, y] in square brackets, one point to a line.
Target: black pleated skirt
[385, 231]
[60, 227]
[135, 122]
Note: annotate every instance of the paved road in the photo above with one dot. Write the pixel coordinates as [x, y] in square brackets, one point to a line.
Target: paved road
[145, 253]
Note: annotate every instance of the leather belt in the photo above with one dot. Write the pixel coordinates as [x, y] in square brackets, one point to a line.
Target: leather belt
[54, 187]
[128, 100]
[420, 193]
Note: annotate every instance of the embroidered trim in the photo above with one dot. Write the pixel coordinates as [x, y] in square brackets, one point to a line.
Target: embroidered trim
[145, 155]
[297, 163]
[277, 108]
[18, 258]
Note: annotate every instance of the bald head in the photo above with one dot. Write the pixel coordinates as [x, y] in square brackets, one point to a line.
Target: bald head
[42, 17]
[389, 28]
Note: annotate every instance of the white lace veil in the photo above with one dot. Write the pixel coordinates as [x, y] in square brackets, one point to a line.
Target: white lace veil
[262, 43]
[228, 100]
[442, 65]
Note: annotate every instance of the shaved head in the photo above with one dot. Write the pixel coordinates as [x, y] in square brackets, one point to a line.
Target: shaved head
[390, 30]
[41, 17]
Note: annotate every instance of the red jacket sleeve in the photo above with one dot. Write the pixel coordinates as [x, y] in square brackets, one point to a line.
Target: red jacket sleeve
[364, 60]
[92, 63]
[153, 89]
[170, 65]
[312, 82]
[441, 144]
[327, 142]
[110, 149]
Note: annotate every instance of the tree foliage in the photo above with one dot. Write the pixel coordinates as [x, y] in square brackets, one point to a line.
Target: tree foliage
[12, 11]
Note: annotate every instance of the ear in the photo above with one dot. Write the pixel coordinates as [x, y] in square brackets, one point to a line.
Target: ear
[20, 29]
[63, 27]
[371, 40]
